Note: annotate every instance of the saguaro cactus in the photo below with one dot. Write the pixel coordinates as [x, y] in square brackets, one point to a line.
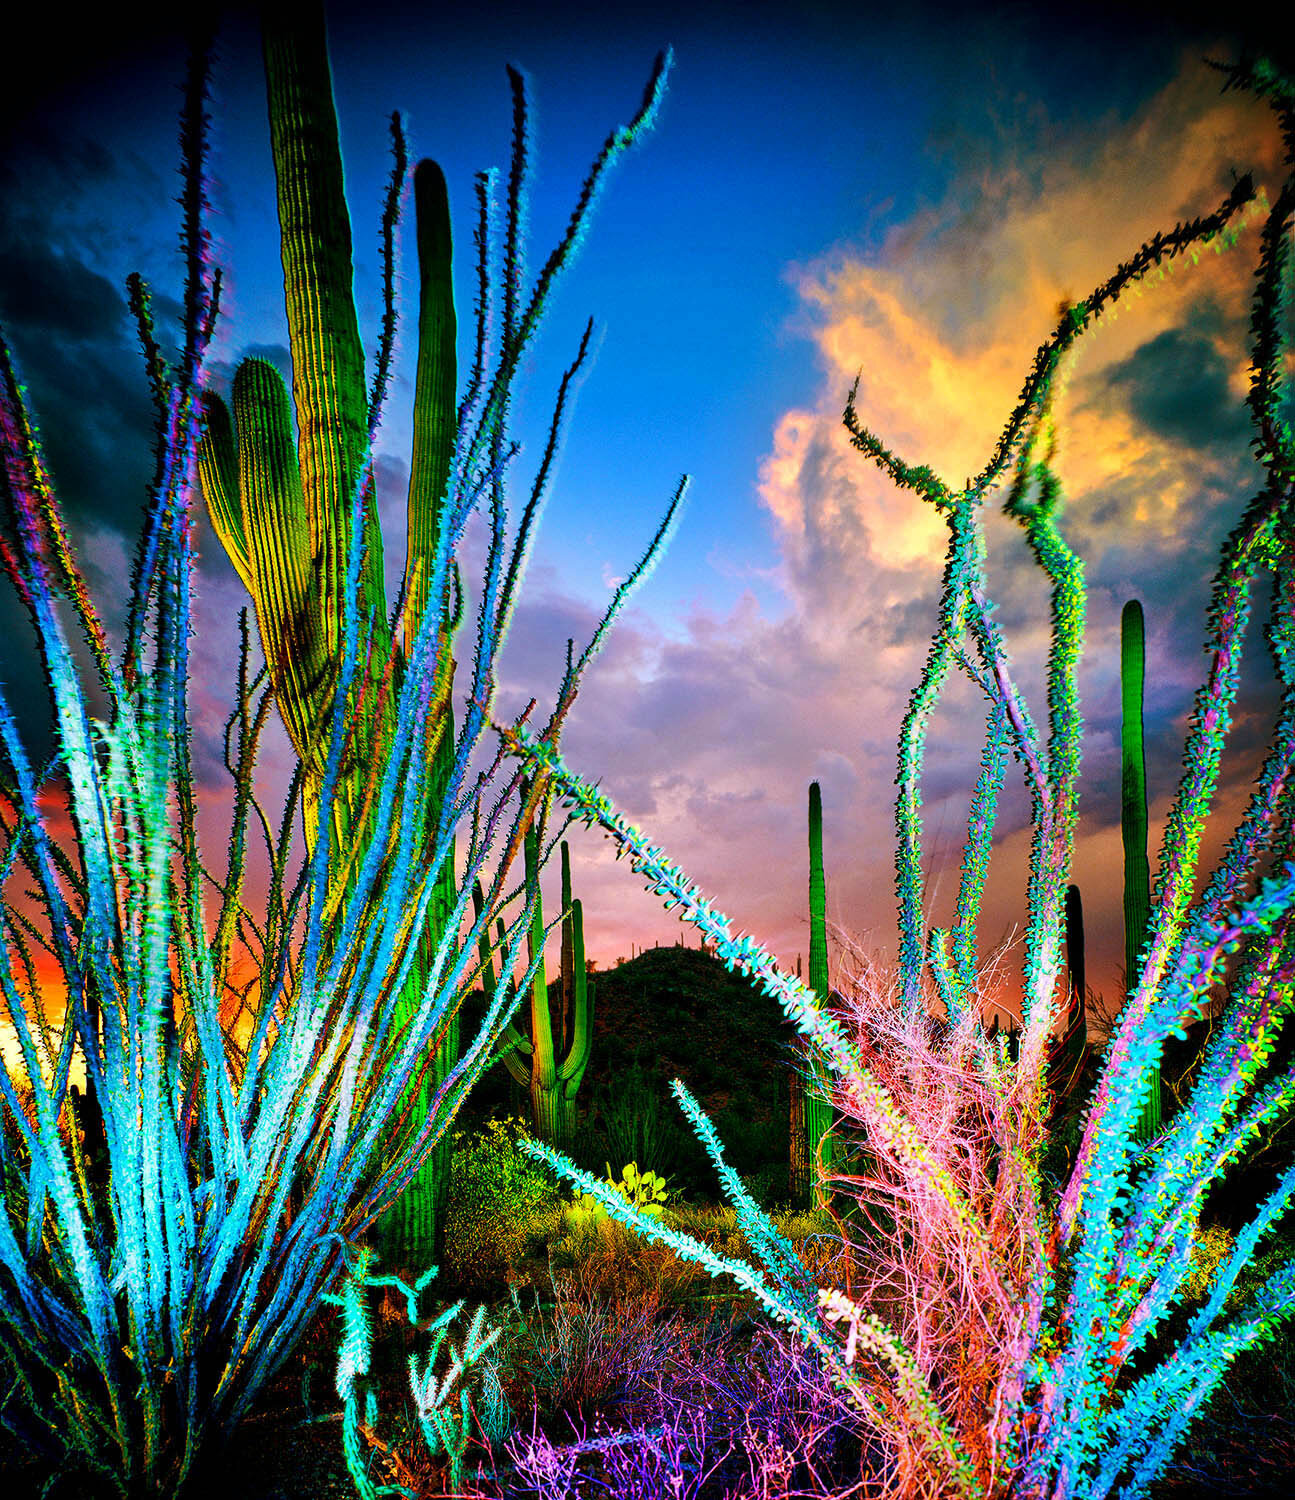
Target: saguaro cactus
[567, 969]
[1076, 962]
[798, 1145]
[1066, 1052]
[238, 1167]
[1133, 822]
[549, 1069]
[817, 1111]
[283, 519]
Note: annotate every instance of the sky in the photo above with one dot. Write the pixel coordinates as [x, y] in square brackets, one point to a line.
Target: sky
[829, 192]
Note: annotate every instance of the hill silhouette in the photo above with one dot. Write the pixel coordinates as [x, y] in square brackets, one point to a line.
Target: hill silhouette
[671, 1012]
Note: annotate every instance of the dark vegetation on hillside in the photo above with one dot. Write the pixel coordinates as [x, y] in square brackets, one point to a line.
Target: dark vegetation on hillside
[671, 1012]
[677, 1012]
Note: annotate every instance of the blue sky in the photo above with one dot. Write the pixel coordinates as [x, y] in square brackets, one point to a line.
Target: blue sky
[827, 191]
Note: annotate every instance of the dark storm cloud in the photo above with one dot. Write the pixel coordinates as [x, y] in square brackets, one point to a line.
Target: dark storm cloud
[1176, 385]
[56, 66]
[66, 329]
[22, 683]
[45, 290]
[97, 427]
[902, 622]
[73, 342]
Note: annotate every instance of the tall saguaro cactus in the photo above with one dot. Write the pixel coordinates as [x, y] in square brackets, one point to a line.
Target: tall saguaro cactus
[817, 1111]
[1076, 962]
[568, 958]
[138, 1334]
[1069, 1045]
[551, 1068]
[1133, 821]
[283, 518]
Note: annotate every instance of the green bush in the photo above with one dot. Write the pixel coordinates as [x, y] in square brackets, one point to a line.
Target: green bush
[751, 1143]
[497, 1197]
[635, 1123]
[1211, 1244]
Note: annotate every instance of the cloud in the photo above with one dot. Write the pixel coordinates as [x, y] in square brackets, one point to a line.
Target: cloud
[715, 737]
[708, 727]
[72, 339]
[1177, 386]
[47, 290]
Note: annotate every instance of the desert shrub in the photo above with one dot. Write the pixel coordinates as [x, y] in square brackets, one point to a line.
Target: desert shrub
[499, 1201]
[1211, 1245]
[726, 1409]
[587, 1352]
[752, 1144]
[489, 1168]
[615, 1264]
[618, 1264]
[764, 1183]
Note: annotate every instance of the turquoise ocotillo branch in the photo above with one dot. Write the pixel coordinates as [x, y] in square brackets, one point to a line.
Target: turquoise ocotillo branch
[283, 517]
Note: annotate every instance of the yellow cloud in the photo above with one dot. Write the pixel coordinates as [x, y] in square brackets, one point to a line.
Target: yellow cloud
[943, 329]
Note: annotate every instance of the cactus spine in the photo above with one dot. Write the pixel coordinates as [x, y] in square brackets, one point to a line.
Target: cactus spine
[283, 519]
[1133, 822]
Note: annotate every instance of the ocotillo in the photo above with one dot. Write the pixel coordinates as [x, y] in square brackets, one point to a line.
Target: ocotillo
[1133, 821]
[283, 519]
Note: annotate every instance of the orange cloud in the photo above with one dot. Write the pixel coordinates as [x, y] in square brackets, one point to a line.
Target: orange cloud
[942, 325]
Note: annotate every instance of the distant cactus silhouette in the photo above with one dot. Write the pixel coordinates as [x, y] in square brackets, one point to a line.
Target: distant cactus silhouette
[1068, 1045]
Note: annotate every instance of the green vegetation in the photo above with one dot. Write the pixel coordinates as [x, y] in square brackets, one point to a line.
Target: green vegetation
[551, 1061]
[1133, 824]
